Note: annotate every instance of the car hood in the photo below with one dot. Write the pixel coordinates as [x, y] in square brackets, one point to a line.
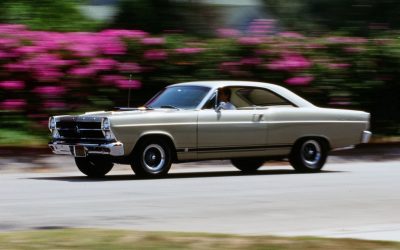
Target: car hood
[111, 114]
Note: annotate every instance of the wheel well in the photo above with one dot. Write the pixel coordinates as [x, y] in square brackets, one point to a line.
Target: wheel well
[165, 138]
[320, 138]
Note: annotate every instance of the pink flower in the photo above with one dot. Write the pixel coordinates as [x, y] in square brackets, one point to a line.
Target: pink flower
[338, 65]
[111, 79]
[250, 40]
[82, 72]
[17, 67]
[153, 40]
[12, 85]
[48, 75]
[49, 90]
[189, 51]
[299, 80]
[29, 50]
[84, 50]
[4, 55]
[129, 67]
[111, 46]
[103, 63]
[126, 83]
[12, 27]
[228, 33]
[230, 66]
[155, 55]
[290, 62]
[13, 104]
[120, 81]
[125, 33]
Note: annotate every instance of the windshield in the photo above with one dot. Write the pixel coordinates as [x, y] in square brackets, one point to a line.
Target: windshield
[181, 97]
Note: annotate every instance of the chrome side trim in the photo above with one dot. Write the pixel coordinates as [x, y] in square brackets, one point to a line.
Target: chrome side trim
[113, 149]
[366, 136]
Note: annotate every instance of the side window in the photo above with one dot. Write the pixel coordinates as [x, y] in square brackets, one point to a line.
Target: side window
[261, 97]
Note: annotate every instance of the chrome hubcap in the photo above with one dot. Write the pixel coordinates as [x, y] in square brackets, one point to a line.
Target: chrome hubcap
[153, 158]
[311, 153]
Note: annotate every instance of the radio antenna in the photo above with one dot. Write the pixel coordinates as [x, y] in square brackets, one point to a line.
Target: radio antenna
[129, 90]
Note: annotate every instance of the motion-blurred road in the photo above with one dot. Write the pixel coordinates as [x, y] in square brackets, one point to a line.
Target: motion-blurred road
[350, 199]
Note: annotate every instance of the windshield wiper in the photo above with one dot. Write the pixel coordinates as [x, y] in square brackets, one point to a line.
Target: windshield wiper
[169, 107]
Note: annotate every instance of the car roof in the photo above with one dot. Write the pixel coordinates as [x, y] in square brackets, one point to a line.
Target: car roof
[275, 88]
[222, 83]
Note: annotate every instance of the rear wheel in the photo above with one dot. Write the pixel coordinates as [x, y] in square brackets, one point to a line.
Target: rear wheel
[247, 165]
[152, 158]
[93, 166]
[309, 155]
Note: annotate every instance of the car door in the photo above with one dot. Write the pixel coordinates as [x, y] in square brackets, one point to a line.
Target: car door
[228, 133]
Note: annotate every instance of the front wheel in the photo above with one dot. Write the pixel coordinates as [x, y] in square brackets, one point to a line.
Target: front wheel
[152, 158]
[309, 155]
[93, 166]
[247, 165]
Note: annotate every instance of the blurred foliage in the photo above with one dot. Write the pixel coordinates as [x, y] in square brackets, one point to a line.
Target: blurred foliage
[357, 17]
[59, 15]
[50, 73]
[158, 16]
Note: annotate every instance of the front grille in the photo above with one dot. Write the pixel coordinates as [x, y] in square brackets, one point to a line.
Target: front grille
[81, 125]
[80, 130]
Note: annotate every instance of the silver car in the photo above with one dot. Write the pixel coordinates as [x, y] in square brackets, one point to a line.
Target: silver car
[246, 122]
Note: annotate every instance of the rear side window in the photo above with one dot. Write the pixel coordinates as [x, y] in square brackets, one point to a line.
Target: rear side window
[261, 97]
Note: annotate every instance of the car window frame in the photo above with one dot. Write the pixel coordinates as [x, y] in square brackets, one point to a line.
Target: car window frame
[212, 95]
[173, 86]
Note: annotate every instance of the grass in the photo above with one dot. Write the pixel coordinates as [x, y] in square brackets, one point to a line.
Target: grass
[20, 138]
[123, 239]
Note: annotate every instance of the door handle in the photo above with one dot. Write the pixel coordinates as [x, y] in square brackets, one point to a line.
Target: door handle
[258, 117]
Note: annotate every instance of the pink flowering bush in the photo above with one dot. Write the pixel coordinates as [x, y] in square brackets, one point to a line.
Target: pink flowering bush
[47, 73]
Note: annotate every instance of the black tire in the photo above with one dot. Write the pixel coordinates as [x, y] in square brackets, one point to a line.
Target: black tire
[247, 165]
[309, 155]
[152, 158]
[93, 166]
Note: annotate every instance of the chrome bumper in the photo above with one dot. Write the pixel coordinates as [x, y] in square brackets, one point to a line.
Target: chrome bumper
[83, 149]
[366, 136]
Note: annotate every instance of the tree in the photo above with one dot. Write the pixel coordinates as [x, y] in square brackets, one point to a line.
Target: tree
[156, 16]
[357, 17]
[59, 15]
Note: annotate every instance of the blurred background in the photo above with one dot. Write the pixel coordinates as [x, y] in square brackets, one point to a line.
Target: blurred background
[69, 56]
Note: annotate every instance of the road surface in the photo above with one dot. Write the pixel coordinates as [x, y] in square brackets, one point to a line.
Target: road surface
[351, 199]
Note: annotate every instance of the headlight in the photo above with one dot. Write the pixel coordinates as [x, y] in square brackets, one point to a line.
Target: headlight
[52, 123]
[55, 134]
[108, 135]
[106, 124]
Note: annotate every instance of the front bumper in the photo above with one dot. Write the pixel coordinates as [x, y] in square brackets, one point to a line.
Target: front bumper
[366, 136]
[83, 149]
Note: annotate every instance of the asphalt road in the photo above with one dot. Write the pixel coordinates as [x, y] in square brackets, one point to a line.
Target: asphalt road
[351, 199]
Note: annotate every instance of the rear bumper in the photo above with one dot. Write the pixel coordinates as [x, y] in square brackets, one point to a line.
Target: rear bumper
[83, 149]
[366, 136]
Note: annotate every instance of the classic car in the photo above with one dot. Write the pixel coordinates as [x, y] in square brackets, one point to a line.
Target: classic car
[190, 122]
